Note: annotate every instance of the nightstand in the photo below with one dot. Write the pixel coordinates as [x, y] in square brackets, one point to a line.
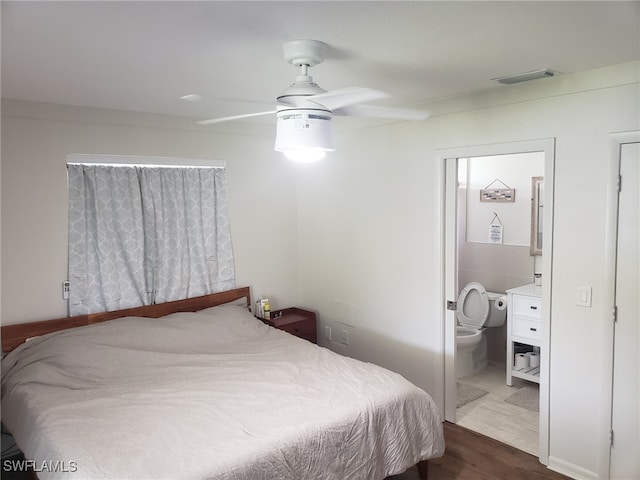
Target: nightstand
[296, 321]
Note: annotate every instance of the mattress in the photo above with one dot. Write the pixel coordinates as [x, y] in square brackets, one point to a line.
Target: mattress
[214, 394]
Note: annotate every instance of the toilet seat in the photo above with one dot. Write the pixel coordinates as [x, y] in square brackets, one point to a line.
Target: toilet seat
[472, 308]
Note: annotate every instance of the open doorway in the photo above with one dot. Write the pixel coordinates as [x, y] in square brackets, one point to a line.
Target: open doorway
[490, 246]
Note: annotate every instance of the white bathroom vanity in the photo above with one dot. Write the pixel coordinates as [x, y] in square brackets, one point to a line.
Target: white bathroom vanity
[524, 326]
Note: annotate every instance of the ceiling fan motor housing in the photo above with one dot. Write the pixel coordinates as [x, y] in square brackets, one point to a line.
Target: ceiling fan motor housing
[295, 94]
[304, 129]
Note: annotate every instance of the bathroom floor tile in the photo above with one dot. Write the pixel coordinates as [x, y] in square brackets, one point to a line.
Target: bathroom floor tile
[492, 416]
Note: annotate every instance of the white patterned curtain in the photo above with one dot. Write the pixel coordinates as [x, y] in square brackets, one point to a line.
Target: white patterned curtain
[141, 235]
[190, 244]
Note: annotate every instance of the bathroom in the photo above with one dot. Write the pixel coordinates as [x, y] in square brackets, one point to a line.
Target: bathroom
[494, 248]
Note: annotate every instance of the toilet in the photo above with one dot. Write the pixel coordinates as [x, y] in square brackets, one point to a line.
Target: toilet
[476, 310]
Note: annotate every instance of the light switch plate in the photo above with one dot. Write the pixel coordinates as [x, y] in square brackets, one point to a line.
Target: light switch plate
[584, 296]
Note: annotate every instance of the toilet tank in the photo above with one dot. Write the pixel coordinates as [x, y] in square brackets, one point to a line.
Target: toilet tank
[497, 309]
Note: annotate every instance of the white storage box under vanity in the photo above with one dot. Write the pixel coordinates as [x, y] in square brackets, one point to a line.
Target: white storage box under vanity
[524, 322]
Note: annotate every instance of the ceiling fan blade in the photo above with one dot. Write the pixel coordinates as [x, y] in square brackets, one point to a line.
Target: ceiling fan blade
[346, 96]
[233, 117]
[381, 112]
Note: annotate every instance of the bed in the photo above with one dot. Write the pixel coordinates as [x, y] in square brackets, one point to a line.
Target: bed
[201, 389]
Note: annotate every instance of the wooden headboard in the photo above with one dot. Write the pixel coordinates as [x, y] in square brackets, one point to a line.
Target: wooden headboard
[14, 335]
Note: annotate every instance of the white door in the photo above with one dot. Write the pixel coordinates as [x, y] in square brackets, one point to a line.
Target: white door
[625, 449]
[451, 284]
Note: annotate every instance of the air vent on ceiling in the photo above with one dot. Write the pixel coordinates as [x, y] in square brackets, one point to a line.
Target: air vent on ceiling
[525, 77]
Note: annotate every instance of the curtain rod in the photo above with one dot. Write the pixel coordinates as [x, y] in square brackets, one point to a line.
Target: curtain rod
[149, 160]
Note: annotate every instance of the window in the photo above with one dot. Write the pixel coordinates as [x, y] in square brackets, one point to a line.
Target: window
[143, 234]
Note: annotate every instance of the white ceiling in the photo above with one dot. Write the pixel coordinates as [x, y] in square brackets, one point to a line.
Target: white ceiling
[142, 56]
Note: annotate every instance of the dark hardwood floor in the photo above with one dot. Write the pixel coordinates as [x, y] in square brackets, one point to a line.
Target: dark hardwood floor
[472, 456]
[468, 456]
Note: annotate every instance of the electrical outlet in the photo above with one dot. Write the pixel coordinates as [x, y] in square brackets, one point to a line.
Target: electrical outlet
[344, 337]
[327, 333]
[65, 290]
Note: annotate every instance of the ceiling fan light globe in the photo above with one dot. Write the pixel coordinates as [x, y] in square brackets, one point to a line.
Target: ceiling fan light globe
[305, 155]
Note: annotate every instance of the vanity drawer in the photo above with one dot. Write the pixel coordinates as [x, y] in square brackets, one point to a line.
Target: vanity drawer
[526, 328]
[525, 306]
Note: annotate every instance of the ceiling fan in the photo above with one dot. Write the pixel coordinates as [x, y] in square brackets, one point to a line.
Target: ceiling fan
[304, 110]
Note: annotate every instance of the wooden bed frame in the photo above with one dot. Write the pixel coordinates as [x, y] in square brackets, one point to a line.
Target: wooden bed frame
[15, 335]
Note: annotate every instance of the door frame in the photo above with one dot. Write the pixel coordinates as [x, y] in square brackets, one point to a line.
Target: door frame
[447, 159]
[608, 332]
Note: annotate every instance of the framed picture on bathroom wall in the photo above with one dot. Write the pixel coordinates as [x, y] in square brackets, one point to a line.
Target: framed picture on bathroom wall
[537, 195]
[498, 195]
[495, 234]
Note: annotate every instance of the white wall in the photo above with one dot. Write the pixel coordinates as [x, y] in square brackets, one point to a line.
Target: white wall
[360, 238]
[35, 141]
[514, 170]
[370, 237]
